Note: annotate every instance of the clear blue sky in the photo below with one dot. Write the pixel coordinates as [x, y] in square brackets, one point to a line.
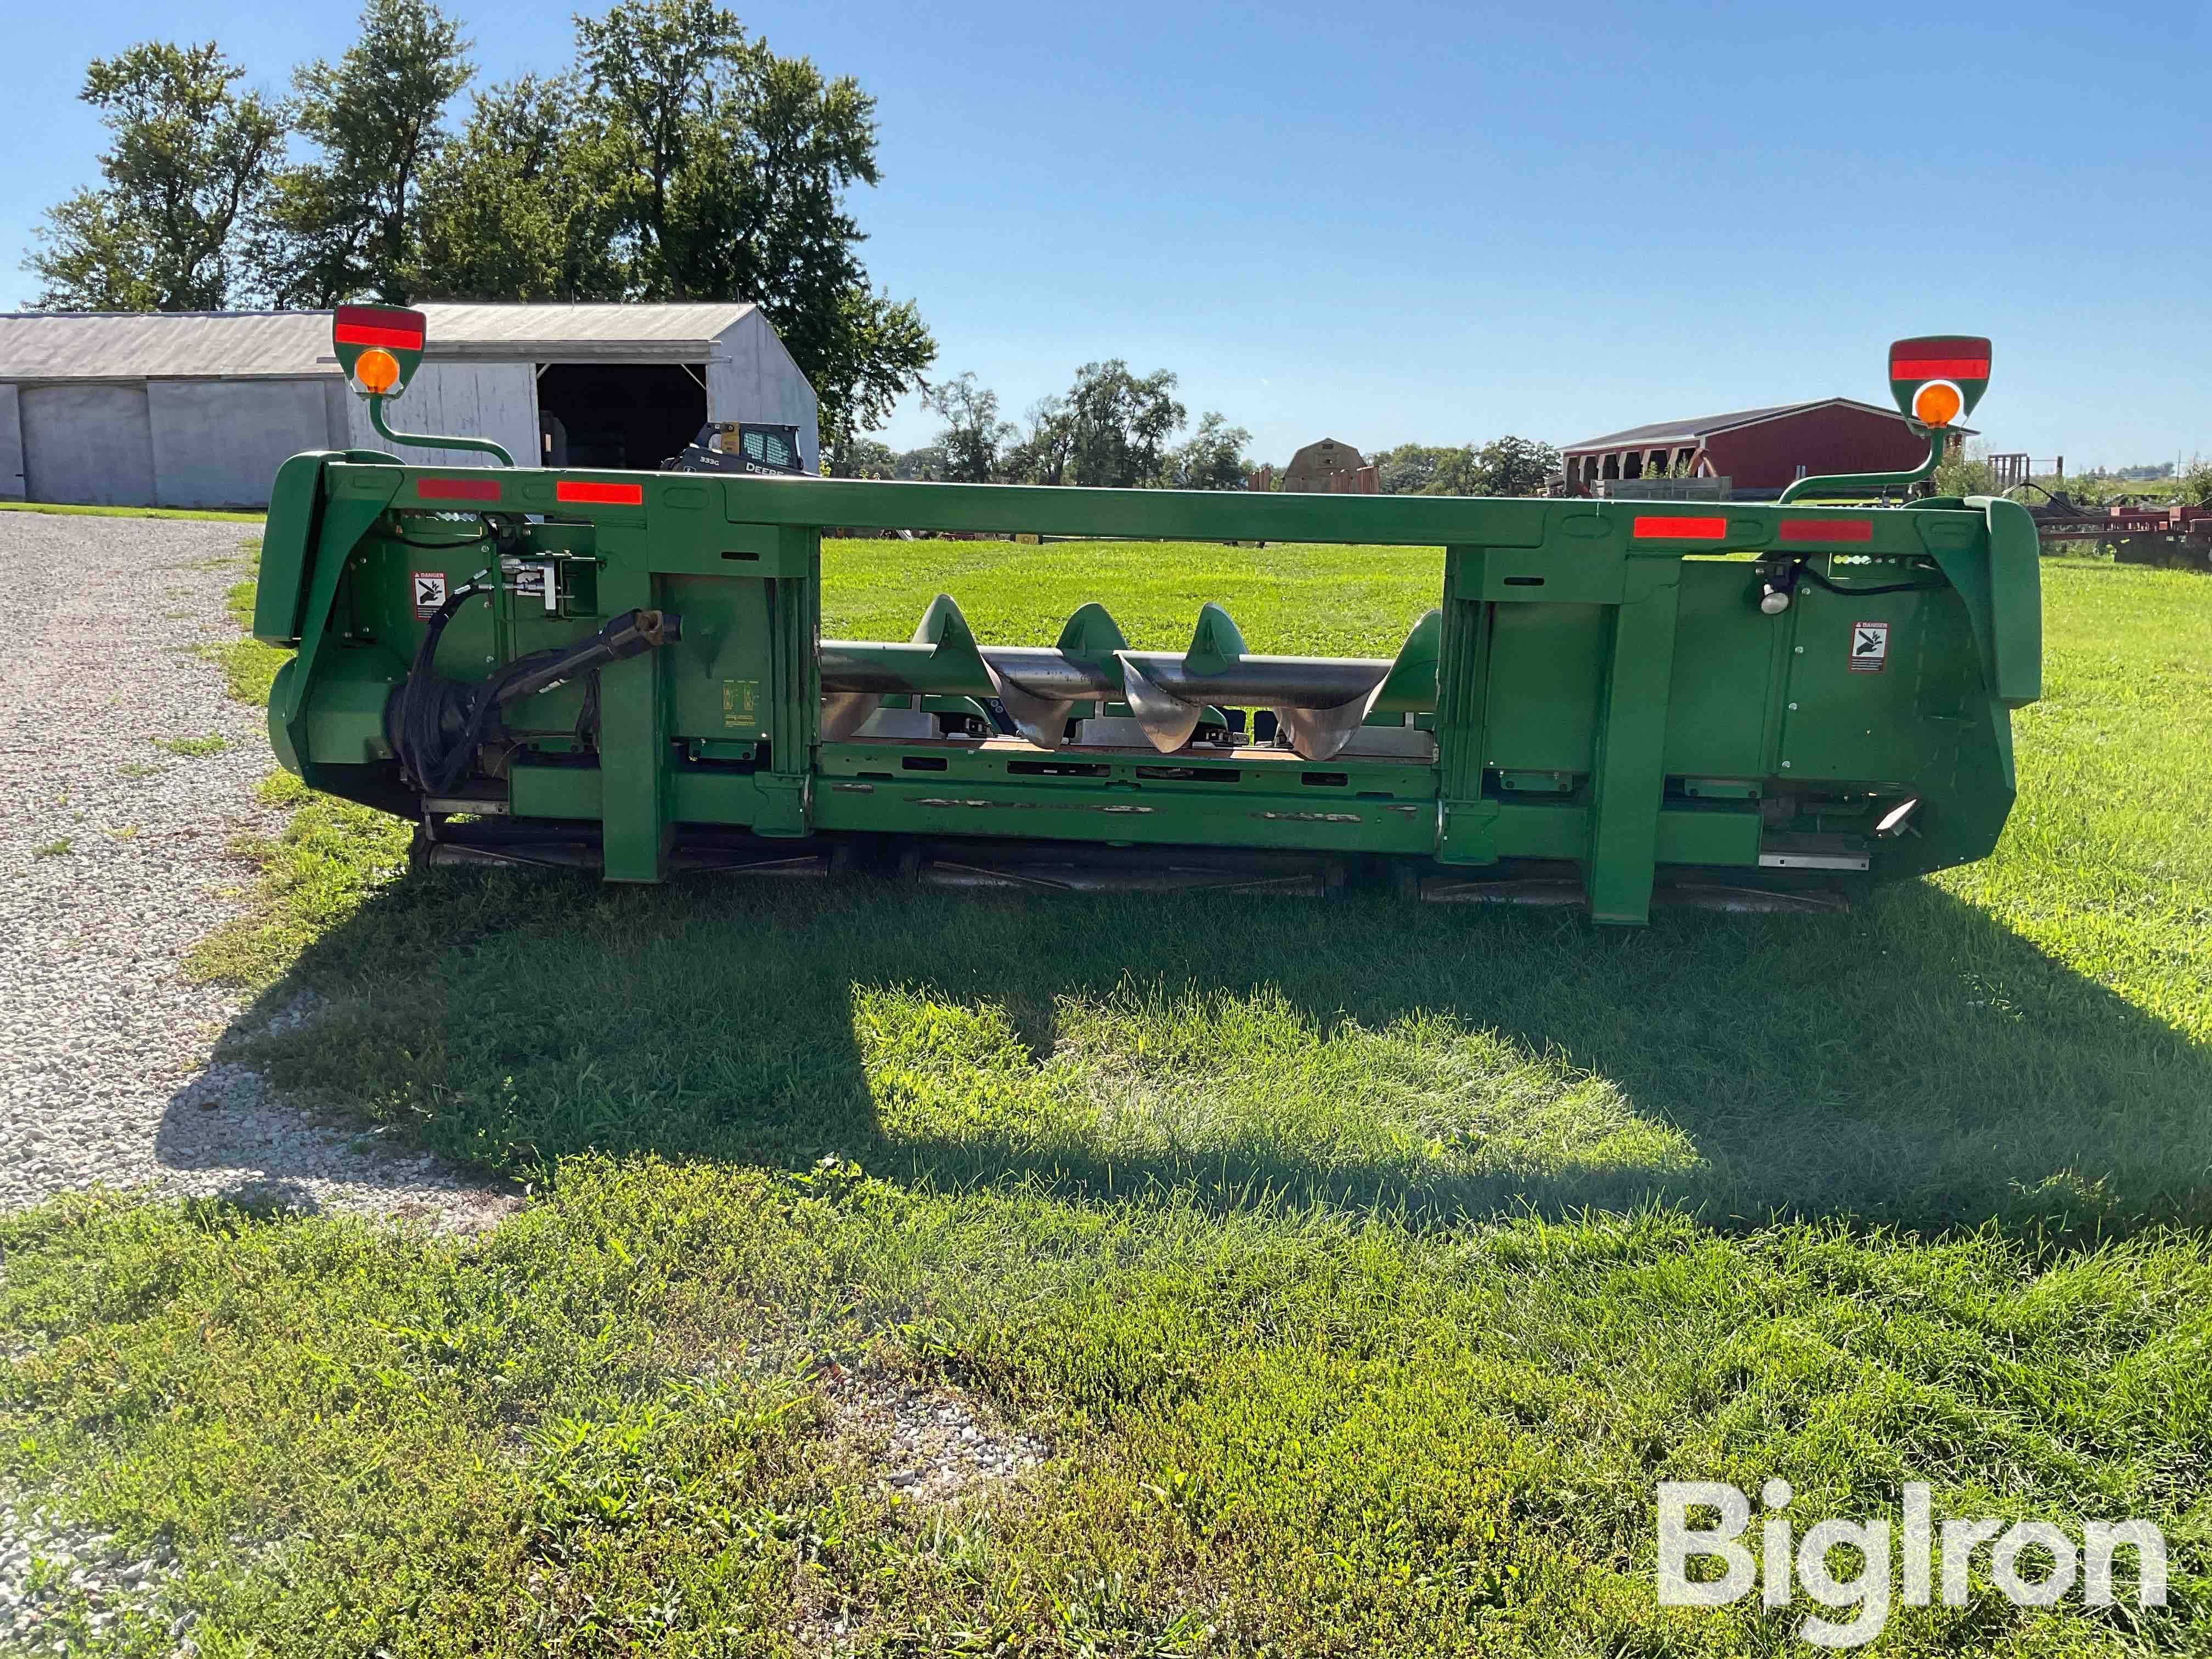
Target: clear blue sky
[1445, 223]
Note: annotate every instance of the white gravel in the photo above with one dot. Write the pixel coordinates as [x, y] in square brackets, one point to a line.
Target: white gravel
[56, 1574]
[114, 862]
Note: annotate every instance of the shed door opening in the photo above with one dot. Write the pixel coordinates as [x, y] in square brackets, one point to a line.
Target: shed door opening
[624, 416]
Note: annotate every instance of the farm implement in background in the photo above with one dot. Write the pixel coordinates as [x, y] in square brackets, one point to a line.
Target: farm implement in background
[1761, 706]
[2166, 533]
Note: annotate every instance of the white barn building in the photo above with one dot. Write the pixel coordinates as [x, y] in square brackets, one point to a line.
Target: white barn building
[198, 408]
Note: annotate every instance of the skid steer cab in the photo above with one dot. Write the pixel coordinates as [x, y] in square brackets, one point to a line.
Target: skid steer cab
[740, 446]
[1620, 704]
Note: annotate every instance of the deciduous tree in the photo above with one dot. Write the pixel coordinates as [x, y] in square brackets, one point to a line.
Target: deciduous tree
[973, 435]
[187, 159]
[508, 210]
[1111, 429]
[1407, 470]
[723, 170]
[1212, 457]
[344, 225]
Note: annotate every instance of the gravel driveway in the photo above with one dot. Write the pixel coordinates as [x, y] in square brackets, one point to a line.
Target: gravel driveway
[113, 864]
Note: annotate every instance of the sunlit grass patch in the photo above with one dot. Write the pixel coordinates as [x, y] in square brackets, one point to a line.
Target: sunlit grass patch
[1365, 1264]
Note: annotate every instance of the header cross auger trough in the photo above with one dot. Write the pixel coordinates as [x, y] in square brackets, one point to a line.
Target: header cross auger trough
[1763, 706]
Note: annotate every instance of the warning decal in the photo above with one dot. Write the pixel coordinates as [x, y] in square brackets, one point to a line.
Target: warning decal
[430, 592]
[1869, 647]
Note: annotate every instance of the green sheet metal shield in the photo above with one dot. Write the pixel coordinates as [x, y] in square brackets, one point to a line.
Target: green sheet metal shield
[1937, 379]
[378, 347]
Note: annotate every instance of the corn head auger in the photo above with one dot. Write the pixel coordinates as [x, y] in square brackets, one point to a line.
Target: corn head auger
[1764, 706]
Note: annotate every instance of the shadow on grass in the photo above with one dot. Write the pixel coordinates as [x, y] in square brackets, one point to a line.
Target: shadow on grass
[1913, 1064]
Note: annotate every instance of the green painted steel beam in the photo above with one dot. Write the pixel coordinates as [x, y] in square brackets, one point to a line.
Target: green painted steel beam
[1133, 515]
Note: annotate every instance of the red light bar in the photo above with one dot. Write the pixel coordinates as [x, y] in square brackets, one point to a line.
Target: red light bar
[378, 325]
[1826, 530]
[1939, 369]
[456, 490]
[1680, 530]
[585, 493]
[392, 339]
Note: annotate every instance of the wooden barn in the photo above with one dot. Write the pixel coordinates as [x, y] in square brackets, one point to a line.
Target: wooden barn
[1757, 450]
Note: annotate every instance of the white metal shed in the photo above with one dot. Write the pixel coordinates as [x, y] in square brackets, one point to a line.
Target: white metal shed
[199, 409]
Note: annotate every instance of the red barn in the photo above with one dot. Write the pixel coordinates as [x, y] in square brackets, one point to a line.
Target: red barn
[1755, 449]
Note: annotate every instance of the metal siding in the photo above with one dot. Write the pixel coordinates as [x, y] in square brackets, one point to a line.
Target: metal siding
[751, 377]
[497, 401]
[88, 444]
[11, 444]
[218, 443]
[337, 394]
[1832, 438]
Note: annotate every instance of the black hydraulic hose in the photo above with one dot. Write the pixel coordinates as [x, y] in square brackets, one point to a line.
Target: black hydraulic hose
[1808, 574]
[630, 635]
[417, 736]
[436, 764]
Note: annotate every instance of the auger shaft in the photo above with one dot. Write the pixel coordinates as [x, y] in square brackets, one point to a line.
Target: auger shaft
[1304, 682]
[1320, 701]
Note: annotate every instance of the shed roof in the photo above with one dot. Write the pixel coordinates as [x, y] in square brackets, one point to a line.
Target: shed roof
[1697, 428]
[669, 332]
[98, 345]
[235, 344]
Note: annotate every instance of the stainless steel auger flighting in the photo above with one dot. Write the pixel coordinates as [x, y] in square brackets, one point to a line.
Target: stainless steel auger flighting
[1319, 702]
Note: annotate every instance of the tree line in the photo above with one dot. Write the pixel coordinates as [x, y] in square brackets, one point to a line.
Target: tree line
[1112, 428]
[1118, 429]
[676, 157]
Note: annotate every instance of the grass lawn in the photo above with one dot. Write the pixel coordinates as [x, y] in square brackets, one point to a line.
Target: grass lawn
[130, 512]
[1363, 1265]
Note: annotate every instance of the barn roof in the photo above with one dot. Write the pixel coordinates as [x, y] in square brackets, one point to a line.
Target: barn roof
[669, 332]
[1699, 428]
[99, 345]
[238, 345]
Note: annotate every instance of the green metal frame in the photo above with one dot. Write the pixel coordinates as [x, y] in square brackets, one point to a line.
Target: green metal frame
[1860, 485]
[426, 440]
[1606, 694]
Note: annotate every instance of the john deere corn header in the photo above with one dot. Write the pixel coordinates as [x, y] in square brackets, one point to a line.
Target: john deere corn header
[1764, 705]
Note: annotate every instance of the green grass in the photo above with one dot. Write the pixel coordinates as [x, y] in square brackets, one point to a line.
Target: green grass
[1366, 1265]
[249, 667]
[129, 512]
[212, 742]
[1287, 598]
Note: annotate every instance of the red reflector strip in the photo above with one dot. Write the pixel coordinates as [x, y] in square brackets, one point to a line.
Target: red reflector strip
[1939, 369]
[1826, 530]
[1680, 530]
[396, 339]
[584, 492]
[456, 490]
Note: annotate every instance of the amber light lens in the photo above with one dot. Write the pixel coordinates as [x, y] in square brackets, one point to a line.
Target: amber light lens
[376, 370]
[1937, 403]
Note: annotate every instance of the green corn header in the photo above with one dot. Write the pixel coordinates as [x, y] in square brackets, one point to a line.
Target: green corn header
[1760, 705]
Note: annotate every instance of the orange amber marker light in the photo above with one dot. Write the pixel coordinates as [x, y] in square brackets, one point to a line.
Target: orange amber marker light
[376, 370]
[1937, 403]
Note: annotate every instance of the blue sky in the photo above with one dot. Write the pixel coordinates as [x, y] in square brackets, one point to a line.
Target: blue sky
[1446, 222]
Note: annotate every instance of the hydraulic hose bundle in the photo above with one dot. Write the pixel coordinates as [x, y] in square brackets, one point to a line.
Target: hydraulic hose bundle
[437, 724]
